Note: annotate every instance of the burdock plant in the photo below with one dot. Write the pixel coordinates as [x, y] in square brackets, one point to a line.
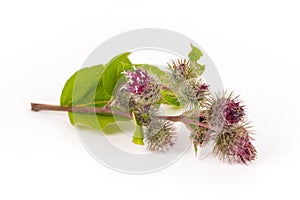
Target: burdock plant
[160, 135]
[136, 92]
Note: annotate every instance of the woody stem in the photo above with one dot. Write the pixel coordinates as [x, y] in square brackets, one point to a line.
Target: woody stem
[179, 118]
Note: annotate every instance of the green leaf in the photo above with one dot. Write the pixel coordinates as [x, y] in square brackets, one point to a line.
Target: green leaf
[169, 98]
[138, 134]
[79, 87]
[112, 73]
[96, 121]
[194, 56]
[93, 87]
[154, 70]
[201, 68]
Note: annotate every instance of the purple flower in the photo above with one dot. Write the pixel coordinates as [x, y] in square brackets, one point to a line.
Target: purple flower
[138, 81]
[203, 87]
[225, 110]
[233, 144]
[234, 112]
[201, 91]
[246, 152]
[181, 69]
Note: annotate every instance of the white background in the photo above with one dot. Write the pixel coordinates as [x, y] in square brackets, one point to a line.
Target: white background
[254, 44]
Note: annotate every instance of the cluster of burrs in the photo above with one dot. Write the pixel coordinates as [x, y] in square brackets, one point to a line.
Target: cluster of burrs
[185, 81]
[221, 119]
[228, 131]
[140, 95]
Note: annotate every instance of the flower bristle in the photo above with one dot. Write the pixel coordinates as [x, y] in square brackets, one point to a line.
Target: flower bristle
[234, 112]
[200, 136]
[144, 88]
[145, 114]
[160, 135]
[181, 69]
[138, 81]
[234, 145]
[197, 96]
[224, 110]
[139, 95]
[224, 113]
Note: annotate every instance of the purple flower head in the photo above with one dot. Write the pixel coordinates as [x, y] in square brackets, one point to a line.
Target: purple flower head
[203, 87]
[234, 145]
[200, 93]
[241, 147]
[234, 112]
[225, 110]
[246, 153]
[181, 67]
[138, 81]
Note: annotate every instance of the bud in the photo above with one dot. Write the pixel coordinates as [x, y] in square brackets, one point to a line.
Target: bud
[225, 110]
[234, 112]
[138, 81]
[200, 136]
[145, 89]
[160, 135]
[181, 69]
[234, 145]
[194, 95]
[145, 113]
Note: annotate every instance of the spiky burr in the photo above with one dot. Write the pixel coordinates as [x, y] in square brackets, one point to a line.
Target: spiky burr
[160, 135]
[194, 95]
[224, 110]
[145, 89]
[185, 82]
[138, 81]
[234, 145]
[181, 69]
[200, 136]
